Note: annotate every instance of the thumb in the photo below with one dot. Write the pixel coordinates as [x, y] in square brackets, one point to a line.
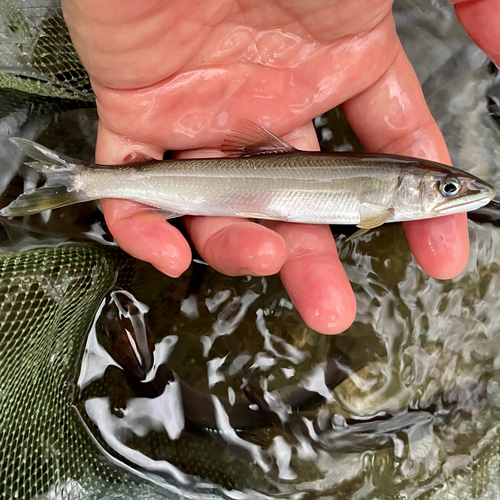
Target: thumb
[481, 20]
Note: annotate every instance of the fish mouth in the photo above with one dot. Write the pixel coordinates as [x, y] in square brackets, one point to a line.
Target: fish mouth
[472, 201]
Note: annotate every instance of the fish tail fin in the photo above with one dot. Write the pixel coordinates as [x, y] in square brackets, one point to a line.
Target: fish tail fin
[38, 200]
[59, 188]
[43, 154]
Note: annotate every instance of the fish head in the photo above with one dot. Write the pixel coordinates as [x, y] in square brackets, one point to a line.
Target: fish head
[446, 191]
[124, 333]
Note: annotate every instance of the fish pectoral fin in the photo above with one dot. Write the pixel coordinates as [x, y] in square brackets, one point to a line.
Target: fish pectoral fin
[250, 139]
[373, 215]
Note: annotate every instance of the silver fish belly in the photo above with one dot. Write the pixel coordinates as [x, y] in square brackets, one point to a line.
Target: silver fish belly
[306, 189]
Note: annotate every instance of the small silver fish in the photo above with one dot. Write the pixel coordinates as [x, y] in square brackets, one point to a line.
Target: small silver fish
[263, 177]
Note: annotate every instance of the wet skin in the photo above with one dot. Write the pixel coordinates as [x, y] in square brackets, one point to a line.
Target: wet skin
[179, 75]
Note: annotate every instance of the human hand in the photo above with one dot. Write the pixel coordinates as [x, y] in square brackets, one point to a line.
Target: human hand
[179, 75]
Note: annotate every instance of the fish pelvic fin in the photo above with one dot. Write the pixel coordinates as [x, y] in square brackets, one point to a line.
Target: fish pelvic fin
[59, 189]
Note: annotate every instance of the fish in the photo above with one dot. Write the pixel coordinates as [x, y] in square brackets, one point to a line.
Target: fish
[490, 213]
[262, 177]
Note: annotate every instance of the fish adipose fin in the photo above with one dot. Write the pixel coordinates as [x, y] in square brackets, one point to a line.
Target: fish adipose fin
[371, 216]
[249, 139]
[58, 191]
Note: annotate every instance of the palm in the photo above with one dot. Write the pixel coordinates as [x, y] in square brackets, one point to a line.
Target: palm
[200, 69]
[179, 74]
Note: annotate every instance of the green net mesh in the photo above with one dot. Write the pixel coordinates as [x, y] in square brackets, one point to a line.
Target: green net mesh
[47, 299]
[37, 55]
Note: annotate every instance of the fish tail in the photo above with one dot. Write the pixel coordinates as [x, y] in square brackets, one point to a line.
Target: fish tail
[59, 189]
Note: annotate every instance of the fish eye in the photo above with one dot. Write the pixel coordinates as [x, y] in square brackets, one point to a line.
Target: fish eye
[450, 187]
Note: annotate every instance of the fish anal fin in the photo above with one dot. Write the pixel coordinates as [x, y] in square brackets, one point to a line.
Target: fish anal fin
[250, 139]
[168, 214]
[373, 215]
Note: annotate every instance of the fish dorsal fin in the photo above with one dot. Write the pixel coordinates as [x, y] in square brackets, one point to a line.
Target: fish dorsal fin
[249, 139]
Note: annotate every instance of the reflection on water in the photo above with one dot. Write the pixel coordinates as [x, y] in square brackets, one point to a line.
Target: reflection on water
[239, 392]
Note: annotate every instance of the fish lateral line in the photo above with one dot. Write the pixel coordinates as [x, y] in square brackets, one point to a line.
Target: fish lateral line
[265, 177]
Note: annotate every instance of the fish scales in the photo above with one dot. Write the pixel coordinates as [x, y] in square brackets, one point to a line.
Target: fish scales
[299, 188]
[263, 177]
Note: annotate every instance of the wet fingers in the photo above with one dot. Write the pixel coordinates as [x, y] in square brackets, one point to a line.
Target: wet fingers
[315, 279]
[145, 234]
[441, 245]
[138, 229]
[237, 247]
[481, 19]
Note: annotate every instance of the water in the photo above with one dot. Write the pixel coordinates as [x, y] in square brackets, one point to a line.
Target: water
[425, 358]
[415, 412]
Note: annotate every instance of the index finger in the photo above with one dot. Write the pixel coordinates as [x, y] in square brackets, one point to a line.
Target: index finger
[139, 230]
[481, 20]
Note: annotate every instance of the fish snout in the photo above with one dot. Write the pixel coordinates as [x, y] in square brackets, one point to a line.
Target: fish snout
[474, 194]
